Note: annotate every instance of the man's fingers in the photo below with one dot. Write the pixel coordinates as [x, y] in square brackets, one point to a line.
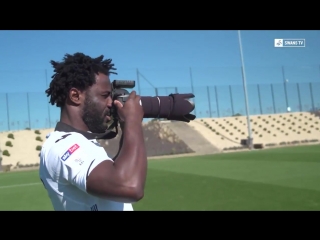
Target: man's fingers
[132, 95]
[117, 104]
[138, 98]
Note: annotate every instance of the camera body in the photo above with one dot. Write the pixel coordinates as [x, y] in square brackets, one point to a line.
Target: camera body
[118, 90]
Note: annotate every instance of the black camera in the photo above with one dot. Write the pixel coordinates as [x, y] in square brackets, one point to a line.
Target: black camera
[172, 107]
[118, 90]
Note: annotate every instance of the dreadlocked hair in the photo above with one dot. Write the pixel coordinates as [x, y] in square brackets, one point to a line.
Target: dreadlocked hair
[77, 71]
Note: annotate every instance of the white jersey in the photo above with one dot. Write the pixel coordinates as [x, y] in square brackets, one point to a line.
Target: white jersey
[66, 159]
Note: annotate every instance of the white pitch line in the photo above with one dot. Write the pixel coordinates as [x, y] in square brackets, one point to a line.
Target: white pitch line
[20, 185]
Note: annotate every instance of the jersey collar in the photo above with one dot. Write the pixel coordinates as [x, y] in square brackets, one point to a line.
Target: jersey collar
[89, 135]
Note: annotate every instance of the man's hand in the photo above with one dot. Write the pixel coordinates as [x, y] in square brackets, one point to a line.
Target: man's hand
[131, 110]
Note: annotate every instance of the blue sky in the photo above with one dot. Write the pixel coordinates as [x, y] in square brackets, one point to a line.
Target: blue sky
[164, 58]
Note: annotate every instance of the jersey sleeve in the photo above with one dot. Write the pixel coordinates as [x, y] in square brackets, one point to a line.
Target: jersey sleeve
[79, 156]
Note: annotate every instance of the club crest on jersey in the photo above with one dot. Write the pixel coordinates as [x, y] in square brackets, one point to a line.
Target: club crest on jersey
[68, 153]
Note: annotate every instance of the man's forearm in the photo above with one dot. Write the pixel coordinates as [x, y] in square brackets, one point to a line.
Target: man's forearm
[132, 160]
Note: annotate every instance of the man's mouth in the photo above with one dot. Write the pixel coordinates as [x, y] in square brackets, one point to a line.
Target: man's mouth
[107, 114]
[108, 118]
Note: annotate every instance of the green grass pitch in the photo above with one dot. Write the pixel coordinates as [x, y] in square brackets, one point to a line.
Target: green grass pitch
[274, 179]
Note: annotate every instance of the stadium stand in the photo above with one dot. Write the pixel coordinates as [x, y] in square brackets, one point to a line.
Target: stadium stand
[160, 140]
[268, 130]
[202, 136]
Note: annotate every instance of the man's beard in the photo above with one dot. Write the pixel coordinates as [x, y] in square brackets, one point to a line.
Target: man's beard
[93, 117]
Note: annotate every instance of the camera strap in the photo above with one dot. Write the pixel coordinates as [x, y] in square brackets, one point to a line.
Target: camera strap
[89, 135]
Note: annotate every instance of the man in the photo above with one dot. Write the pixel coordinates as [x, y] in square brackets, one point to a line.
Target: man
[77, 173]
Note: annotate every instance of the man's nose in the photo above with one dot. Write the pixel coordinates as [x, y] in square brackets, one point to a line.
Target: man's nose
[109, 102]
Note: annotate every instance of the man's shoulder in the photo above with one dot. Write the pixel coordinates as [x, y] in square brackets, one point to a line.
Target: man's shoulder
[60, 135]
[61, 145]
[58, 140]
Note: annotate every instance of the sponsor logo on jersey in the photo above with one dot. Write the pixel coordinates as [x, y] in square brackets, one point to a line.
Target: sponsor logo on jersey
[68, 153]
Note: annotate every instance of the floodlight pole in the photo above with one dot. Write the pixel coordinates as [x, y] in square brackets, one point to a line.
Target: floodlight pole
[250, 142]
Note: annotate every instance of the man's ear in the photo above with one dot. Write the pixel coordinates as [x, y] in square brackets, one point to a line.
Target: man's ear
[76, 96]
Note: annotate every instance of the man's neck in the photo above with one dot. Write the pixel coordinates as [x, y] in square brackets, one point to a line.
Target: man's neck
[73, 120]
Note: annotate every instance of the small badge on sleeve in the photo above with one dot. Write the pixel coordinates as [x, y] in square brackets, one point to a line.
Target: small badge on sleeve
[68, 153]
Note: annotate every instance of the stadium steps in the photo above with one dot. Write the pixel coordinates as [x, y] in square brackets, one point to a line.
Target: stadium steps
[23, 151]
[192, 137]
[221, 132]
[266, 129]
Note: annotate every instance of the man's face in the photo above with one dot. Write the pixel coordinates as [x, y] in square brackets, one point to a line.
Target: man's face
[97, 104]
